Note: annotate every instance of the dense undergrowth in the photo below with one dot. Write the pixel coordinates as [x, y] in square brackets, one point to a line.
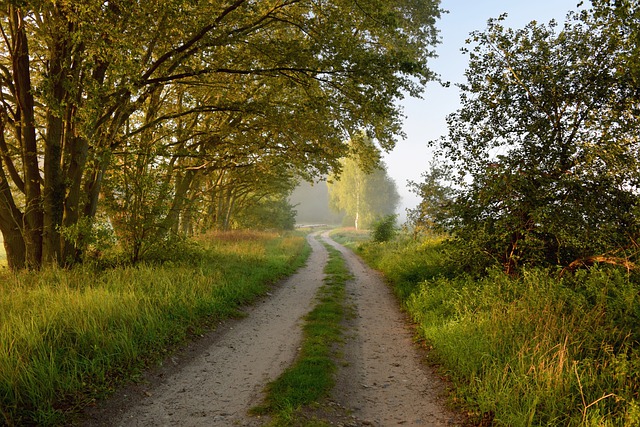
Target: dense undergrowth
[68, 337]
[538, 349]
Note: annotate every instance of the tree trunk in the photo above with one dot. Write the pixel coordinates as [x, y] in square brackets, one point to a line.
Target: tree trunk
[54, 185]
[33, 214]
[182, 189]
[76, 160]
[10, 222]
[357, 209]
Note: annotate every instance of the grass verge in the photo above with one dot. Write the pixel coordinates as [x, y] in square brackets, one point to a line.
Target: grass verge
[68, 337]
[533, 350]
[311, 377]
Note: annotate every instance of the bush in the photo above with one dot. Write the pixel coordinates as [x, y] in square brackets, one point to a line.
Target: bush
[384, 229]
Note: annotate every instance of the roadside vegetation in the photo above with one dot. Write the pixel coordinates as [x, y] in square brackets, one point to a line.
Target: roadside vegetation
[68, 337]
[520, 265]
[312, 376]
[537, 349]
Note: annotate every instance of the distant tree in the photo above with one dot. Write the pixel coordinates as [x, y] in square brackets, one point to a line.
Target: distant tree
[311, 201]
[546, 145]
[436, 195]
[384, 229]
[271, 213]
[363, 190]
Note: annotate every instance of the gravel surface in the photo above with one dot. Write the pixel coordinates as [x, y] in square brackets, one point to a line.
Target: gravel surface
[215, 380]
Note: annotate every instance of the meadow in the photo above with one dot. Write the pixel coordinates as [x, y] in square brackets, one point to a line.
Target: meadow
[69, 337]
[539, 349]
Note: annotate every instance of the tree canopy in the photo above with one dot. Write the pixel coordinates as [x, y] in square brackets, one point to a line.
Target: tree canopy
[108, 95]
[546, 145]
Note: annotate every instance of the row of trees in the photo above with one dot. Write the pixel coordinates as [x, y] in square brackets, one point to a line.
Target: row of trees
[168, 116]
[544, 153]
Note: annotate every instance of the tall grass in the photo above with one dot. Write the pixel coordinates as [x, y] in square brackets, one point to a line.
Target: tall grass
[538, 350]
[69, 337]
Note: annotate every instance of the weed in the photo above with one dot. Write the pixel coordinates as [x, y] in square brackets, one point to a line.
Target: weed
[531, 350]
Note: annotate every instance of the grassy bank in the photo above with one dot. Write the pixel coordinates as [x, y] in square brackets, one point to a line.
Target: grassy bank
[538, 350]
[311, 377]
[69, 337]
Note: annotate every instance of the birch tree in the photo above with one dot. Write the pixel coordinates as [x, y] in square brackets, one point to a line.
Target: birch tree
[363, 190]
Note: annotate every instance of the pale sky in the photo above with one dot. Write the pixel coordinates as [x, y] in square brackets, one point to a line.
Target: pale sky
[426, 117]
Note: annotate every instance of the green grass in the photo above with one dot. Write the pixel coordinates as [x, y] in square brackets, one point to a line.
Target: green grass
[68, 337]
[350, 237]
[311, 377]
[534, 350]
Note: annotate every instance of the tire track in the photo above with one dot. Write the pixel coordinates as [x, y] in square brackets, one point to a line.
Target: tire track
[216, 380]
[385, 382]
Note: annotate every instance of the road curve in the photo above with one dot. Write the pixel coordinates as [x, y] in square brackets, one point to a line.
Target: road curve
[216, 380]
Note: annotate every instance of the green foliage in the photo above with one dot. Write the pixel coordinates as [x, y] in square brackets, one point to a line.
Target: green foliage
[384, 229]
[528, 351]
[90, 237]
[164, 100]
[311, 377]
[269, 214]
[545, 145]
[436, 195]
[69, 336]
[363, 190]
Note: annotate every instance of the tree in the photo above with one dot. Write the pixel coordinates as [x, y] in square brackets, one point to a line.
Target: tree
[311, 202]
[363, 190]
[545, 145]
[436, 194]
[85, 83]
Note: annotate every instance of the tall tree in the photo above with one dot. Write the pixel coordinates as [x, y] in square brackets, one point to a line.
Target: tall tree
[363, 190]
[546, 145]
[88, 81]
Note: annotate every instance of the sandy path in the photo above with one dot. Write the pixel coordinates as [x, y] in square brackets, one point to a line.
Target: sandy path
[217, 379]
[385, 383]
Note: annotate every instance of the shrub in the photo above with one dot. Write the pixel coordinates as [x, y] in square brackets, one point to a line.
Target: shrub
[536, 349]
[384, 229]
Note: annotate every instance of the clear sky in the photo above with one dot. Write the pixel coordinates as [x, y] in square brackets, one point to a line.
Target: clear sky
[426, 117]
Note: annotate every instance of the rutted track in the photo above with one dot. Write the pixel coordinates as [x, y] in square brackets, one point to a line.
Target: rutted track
[217, 379]
[384, 382]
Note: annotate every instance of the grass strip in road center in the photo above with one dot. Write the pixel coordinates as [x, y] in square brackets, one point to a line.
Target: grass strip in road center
[311, 377]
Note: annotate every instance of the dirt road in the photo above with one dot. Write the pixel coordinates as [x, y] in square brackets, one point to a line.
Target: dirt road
[217, 379]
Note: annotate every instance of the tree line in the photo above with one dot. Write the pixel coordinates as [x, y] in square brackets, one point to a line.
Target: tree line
[167, 117]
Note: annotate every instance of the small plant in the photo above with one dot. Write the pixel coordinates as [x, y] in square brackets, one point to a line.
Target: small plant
[536, 349]
[384, 229]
